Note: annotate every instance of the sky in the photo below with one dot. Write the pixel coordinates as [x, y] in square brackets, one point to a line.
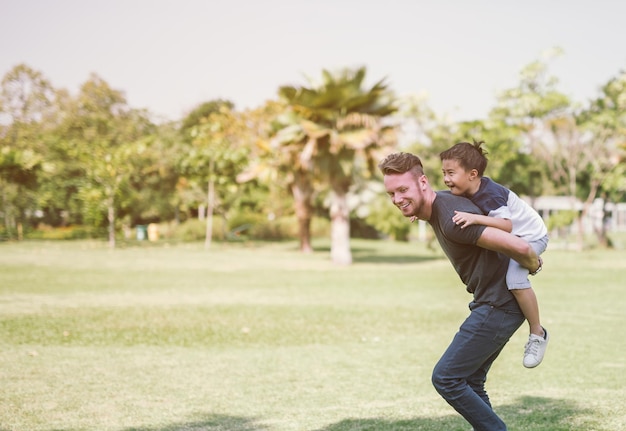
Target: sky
[169, 56]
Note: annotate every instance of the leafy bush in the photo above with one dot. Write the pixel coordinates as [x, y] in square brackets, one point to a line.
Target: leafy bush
[195, 230]
[281, 228]
[386, 219]
[561, 219]
[65, 233]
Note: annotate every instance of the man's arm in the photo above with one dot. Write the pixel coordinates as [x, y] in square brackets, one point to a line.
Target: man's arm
[511, 246]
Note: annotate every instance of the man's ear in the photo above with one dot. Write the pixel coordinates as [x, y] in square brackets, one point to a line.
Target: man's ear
[423, 181]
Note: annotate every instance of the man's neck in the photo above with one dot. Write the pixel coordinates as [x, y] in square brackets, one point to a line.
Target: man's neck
[427, 210]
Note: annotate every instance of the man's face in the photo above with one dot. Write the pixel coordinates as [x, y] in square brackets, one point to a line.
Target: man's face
[406, 193]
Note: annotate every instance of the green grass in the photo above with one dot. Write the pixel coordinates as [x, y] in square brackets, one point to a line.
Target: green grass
[246, 337]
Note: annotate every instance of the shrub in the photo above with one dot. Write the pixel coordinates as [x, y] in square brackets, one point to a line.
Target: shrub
[65, 232]
[287, 228]
[194, 230]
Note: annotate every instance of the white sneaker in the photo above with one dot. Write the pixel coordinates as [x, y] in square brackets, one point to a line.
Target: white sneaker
[535, 348]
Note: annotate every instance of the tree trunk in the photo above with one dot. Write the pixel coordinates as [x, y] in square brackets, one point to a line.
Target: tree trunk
[302, 191]
[7, 216]
[340, 228]
[601, 232]
[111, 219]
[209, 214]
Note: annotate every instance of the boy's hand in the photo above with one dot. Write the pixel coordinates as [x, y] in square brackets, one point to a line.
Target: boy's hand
[464, 219]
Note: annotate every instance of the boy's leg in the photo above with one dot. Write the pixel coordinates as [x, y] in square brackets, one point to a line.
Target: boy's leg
[527, 301]
[537, 343]
[519, 286]
[518, 283]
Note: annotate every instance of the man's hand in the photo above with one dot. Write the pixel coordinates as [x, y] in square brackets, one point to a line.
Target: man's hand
[539, 268]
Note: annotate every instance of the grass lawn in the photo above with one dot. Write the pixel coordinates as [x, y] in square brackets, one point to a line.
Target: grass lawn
[242, 337]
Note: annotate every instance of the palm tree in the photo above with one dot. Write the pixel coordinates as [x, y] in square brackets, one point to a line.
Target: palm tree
[339, 132]
[292, 157]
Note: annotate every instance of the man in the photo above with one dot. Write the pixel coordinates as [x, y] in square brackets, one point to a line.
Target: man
[480, 255]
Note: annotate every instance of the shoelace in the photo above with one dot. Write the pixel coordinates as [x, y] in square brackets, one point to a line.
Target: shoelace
[532, 347]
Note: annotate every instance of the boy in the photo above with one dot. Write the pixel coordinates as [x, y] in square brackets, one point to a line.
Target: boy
[463, 166]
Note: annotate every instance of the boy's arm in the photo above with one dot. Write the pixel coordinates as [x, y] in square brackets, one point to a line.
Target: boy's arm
[511, 246]
[464, 219]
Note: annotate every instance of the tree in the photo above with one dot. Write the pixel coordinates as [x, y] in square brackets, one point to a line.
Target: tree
[342, 123]
[154, 176]
[100, 130]
[218, 153]
[18, 171]
[578, 150]
[26, 113]
[543, 118]
[192, 192]
[603, 125]
[202, 112]
[296, 167]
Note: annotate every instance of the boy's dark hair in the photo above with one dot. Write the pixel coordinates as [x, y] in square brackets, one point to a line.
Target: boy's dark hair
[469, 156]
[399, 163]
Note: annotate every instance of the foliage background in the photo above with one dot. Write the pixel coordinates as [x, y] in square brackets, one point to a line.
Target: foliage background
[94, 164]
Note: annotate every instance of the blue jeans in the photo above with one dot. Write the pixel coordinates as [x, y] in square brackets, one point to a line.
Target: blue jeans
[460, 374]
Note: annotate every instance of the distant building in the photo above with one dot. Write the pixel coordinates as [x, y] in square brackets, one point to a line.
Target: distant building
[613, 215]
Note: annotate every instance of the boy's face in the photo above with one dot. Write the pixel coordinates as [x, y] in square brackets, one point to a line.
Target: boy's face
[458, 180]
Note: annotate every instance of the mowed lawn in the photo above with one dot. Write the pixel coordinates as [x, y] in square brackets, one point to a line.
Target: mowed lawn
[243, 337]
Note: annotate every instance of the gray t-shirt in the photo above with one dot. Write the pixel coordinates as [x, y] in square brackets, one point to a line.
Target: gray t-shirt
[482, 271]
